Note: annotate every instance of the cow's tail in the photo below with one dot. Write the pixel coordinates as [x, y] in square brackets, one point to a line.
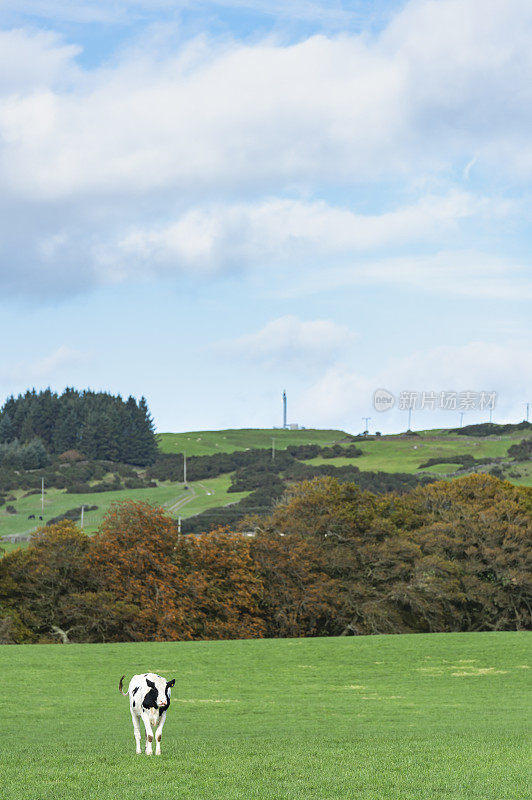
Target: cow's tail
[120, 687]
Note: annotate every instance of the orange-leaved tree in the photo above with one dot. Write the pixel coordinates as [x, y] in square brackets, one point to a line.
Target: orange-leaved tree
[183, 587]
[223, 585]
[132, 557]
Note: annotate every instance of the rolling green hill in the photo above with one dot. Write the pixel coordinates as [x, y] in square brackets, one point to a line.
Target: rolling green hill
[407, 454]
[392, 454]
[410, 717]
[206, 443]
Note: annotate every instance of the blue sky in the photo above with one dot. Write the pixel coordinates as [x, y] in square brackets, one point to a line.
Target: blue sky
[209, 202]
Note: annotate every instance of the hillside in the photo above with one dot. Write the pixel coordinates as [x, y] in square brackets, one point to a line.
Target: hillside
[411, 717]
[393, 453]
[399, 453]
[426, 454]
[205, 443]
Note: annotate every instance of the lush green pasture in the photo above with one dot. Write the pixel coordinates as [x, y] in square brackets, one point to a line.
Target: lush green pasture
[205, 443]
[372, 718]
[406, 454]
[200, 496]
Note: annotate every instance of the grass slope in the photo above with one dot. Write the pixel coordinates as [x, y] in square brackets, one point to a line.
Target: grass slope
[205, 443]
[406, 454]
[199, 497]
[394, 453]
[373, 718]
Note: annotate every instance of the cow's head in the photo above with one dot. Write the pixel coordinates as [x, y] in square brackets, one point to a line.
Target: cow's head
[160, 691]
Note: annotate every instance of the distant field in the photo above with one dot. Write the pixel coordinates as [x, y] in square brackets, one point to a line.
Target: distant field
[203, 443]
[205, 494]
[406, 454]
[411, 717]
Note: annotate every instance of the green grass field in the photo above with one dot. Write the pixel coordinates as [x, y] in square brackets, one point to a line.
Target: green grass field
[405, 454]
[412, 717]
[200, 496]
[205, 443]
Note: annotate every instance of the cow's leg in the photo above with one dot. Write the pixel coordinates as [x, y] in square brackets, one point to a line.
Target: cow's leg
[149, 734]
[136, 731]
[159, 733]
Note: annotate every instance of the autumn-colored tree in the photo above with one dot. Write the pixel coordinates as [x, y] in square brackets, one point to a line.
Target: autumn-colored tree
[330, 559]
[479, 529]
[359, 551]
[182, 587]
[222, 586]
[35, 582]
[449, 556]
[132, 557]
[298, 597]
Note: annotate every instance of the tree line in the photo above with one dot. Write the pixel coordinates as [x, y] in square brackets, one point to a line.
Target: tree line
[99, 425]
[492, 428]
[330, 559]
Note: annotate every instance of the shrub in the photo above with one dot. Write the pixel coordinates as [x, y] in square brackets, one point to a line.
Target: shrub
[521, 451]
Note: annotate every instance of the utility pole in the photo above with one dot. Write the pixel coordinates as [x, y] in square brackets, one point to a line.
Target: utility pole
[527, 410]
[82, 512]
[42, 497]
[273, 449]
[185, 468]
[409, 419]
[461, 419]
[179, 524]
[367, 419]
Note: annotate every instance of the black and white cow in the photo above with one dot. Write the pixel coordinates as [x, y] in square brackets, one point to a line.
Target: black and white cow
[149, 700]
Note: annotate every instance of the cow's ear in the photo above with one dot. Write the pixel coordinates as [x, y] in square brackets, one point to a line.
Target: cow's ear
[171, 683]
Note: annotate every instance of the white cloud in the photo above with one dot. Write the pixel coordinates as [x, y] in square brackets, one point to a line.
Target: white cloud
[343, 394]
[443, 75]
[279, 230]
[34, 60]
[191, 139]
[291, 342]
[447, 272]
[239, 116]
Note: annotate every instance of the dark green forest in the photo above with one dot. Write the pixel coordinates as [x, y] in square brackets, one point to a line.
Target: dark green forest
[101, 426]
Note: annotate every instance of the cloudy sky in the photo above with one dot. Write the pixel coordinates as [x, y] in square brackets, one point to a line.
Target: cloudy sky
[210, 202]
